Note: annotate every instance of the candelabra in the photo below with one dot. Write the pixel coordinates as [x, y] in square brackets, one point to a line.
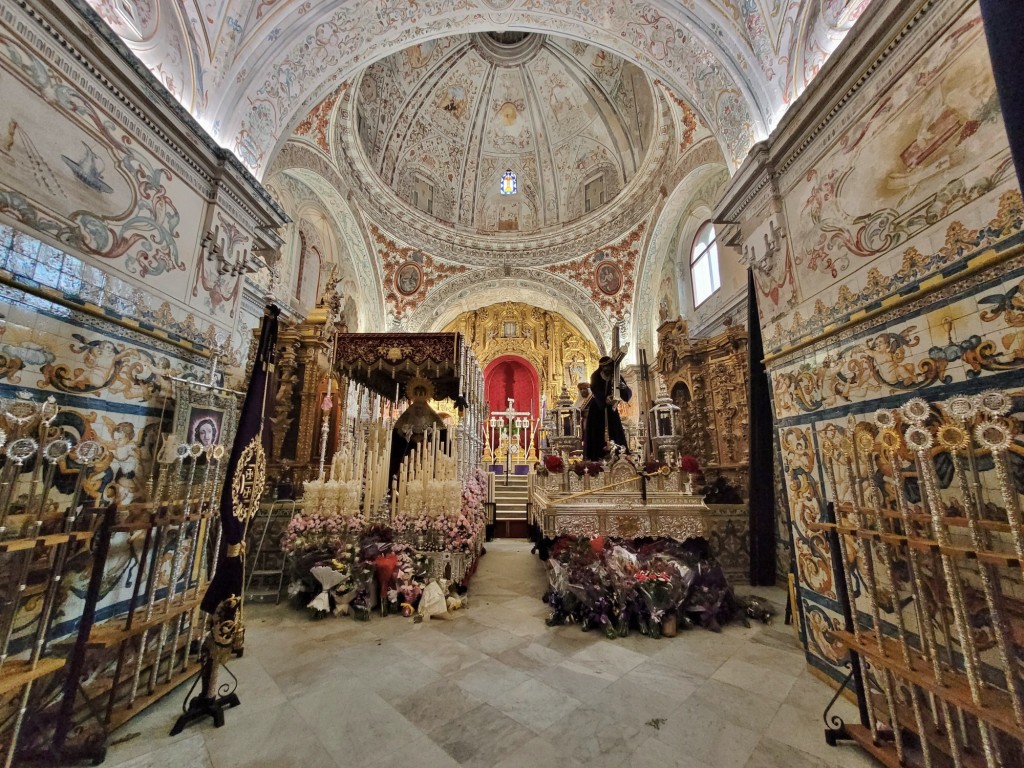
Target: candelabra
[772, 245]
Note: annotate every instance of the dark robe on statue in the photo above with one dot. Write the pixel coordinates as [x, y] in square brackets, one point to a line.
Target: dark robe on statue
[594, 443]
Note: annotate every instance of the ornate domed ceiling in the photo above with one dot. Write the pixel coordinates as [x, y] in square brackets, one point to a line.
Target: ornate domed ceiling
[441, 122]
[389, 124]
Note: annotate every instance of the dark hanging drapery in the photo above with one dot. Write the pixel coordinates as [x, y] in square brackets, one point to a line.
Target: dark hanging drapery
[1004, 26]
[762, 483]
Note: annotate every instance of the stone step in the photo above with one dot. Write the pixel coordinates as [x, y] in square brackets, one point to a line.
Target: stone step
[511, 510]
[510, 516]
[511, 504]
[512, 498]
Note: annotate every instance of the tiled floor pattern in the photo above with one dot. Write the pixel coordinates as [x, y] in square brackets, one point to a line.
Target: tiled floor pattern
[494, 686]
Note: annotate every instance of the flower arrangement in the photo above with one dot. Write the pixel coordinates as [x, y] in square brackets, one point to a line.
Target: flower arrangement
[314, 532]
[347, 563]
[410, 574]
[554, 464]
[689, 464]
[591, 468]
[662, 589]
[639, 584]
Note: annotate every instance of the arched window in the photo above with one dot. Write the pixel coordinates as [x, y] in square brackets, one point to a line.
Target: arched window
[307, 284]
[704, 265]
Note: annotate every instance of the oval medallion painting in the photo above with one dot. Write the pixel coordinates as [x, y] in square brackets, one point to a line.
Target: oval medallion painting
[408, 278]
[609, 278]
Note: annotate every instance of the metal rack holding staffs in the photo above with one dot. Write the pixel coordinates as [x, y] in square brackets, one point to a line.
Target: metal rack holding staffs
[39, 530]
[152, 639]
[923, 676]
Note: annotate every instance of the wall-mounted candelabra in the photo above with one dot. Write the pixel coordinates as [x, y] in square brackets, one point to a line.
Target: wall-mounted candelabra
[764, 261]
[230, 261]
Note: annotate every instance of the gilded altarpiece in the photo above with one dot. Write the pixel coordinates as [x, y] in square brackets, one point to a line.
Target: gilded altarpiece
[301, 380]
[707, 379]
[553, 345]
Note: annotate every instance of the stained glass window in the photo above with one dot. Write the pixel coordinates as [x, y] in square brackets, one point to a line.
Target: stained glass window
[508, 183]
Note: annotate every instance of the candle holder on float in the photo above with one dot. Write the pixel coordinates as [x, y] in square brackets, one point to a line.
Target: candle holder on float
[564, 433]
[664, 424]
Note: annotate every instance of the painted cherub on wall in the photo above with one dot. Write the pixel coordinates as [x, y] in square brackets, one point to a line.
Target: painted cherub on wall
[120, 471]
[107, 369]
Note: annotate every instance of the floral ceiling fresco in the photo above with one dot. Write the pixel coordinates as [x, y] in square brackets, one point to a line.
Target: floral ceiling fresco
[601, 109]
[382, 151]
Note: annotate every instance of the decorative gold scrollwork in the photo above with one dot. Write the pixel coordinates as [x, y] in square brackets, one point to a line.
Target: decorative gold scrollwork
[249, 482]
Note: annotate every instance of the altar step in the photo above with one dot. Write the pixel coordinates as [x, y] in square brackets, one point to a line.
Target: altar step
[510, 514]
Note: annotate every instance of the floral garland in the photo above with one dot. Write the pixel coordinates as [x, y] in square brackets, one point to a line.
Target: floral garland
[314, 532]
[355, 550]
[367, 564]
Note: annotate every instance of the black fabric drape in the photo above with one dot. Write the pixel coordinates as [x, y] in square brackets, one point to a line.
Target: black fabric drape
[762, 483]
[1004, 28]
[227, 581]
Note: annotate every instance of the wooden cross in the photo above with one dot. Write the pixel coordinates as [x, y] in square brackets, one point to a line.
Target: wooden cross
[618, 352]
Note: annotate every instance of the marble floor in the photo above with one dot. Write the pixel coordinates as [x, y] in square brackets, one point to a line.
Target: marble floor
[494, 686]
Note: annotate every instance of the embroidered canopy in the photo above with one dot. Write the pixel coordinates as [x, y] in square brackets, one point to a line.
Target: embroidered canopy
[386, 362]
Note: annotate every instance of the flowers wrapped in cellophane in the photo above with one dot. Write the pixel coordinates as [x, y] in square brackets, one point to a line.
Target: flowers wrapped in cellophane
[618, 585]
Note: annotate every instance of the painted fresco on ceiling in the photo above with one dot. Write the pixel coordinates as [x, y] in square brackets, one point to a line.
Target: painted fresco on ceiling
[409, 273]
[315, 185]
[608, 273]
[317, 124]
[204, 52]
[166, 43]
[254, 116]
[555, 120]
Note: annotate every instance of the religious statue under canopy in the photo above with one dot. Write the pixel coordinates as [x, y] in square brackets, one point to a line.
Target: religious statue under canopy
[602, 425]
[412, 426]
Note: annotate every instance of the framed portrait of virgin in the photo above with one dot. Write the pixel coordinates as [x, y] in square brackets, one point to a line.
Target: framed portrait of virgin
[408, 278]
[204, 416]
[608, 278]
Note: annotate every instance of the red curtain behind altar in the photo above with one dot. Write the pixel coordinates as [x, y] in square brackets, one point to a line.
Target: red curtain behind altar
[511, 376]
